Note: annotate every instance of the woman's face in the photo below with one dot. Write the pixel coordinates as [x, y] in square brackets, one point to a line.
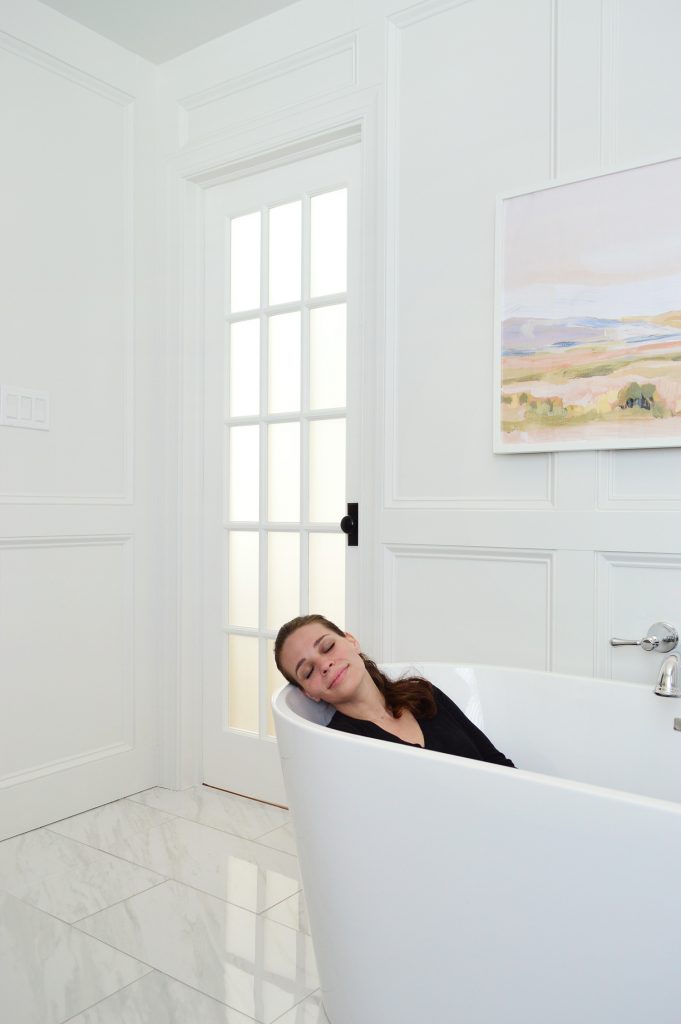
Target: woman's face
[327, 666]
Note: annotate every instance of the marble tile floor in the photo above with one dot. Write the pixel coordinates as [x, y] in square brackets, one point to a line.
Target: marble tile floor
[162, 908]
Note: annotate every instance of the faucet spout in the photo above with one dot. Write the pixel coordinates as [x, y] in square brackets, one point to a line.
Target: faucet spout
[668, 681]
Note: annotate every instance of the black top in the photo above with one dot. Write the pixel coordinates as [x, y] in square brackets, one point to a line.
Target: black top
[449, 732]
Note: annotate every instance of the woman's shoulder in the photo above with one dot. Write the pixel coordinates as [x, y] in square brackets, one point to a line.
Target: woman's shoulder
[445, 703]
[346, 724]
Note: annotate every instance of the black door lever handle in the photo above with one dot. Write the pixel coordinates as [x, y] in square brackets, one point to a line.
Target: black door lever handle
[350, 524]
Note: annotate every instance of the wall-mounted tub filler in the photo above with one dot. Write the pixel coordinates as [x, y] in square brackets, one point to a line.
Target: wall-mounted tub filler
[668, 682]
[661, 637]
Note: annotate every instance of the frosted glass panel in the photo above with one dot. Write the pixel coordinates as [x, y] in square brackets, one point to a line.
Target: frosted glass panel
[283, 473]
[283, 578]
[327, 471]
[284, 363]
[327, 576]
[245, 263]
[327, 357]
[244, 368]
[244, 474]
[328, 243]
[285, 252]
[275, 681]
[242, 685]
[243, 579]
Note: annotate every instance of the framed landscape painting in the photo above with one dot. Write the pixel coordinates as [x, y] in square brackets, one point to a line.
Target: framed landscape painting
[588, 313]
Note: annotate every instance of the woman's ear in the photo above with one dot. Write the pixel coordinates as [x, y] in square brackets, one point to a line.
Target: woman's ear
[353, 640]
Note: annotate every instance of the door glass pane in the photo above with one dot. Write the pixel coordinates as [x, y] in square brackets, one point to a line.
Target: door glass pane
[327, 357]
[242, 688]
[275, 681]
[283, 472]
[327, 576]
[244, 484]
[327, 471]
[283, 578]
[329, 243]
[243, 578]
[244, 368]
[245, 263]
[283, 382]
[285, 252]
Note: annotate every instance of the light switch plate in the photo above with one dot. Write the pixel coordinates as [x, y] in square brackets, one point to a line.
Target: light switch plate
[23, 407]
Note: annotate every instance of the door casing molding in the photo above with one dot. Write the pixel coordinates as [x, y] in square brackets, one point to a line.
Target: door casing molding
[347, 121]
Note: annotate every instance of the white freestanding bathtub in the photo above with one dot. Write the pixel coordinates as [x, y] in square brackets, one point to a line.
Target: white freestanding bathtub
[443, 890]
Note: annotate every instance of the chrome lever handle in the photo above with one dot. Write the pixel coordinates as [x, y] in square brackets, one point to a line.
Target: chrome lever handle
[661, 637]
[648, 643]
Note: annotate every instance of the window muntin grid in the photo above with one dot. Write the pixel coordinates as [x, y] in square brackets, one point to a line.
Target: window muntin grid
[285, 454]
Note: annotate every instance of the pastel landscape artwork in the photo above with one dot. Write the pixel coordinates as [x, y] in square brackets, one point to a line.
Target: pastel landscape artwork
[590, 313]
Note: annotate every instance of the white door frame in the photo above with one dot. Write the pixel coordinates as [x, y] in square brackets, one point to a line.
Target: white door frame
[350, 120]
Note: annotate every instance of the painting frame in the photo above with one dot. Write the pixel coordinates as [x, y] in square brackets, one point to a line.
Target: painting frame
[574, 259]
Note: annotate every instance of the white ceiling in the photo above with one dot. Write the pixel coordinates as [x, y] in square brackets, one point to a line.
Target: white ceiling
[162, 29]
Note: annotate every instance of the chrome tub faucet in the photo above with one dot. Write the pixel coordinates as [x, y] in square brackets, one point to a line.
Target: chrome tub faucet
[669, 681]
[663, 638]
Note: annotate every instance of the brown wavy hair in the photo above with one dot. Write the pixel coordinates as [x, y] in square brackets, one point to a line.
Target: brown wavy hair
[413, 692]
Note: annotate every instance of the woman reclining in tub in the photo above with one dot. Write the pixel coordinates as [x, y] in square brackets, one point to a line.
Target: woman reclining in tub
[327, 664]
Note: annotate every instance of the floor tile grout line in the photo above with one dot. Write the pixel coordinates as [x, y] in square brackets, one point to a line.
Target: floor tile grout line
[170, 977]
[117, 856]
[144, 963]
[117, 903]
[98, 1002]
[185, 818]
[74, 925]
[194, 888]
[207, 996]
[88, 846]
[163, 879]
[48, 913]
[180, 817]
[135, 863]
[317, 991]
[264, 913]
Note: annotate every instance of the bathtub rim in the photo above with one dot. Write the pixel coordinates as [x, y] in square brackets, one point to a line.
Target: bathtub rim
[281, 706]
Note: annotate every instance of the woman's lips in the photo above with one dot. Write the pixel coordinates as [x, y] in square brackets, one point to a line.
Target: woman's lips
[337, 678]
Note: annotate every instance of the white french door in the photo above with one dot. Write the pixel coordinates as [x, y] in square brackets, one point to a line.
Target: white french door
[282, 397]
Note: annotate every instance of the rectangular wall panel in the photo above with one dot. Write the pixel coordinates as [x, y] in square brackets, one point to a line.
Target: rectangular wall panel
[473, 605]
[320, 71]
[66, 263]
[68, 679]
[642, 79]
[478, 123]
[632, 592]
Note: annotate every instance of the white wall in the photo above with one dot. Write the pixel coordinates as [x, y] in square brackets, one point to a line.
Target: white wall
[79, 504]
[532, 559]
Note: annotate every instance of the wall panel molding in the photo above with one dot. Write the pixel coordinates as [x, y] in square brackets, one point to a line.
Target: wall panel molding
[276, 73]
[127, 104]
[395, 552]
[59, 67]
[608, 106]
[605, 570]
[127, 742]
[610, 498]
[423, 11]
[395, 28]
